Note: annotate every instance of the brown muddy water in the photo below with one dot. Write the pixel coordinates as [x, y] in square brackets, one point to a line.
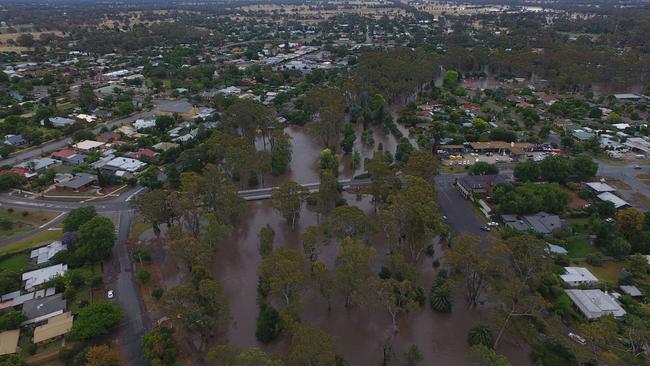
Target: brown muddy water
[360, 332]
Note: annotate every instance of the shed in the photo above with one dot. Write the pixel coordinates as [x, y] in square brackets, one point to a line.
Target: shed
[9, 342]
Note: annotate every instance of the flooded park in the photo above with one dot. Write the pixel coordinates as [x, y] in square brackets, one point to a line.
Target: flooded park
[361, 331]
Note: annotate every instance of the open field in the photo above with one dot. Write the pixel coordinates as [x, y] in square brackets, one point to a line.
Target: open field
[23, 221]
[4, 37]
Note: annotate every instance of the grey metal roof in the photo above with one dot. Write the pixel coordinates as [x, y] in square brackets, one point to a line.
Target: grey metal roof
[43, 306]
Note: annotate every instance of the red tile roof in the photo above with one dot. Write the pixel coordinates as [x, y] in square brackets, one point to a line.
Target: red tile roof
[62, 154]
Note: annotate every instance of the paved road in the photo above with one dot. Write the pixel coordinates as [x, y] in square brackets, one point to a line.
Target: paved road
[461, 216]
[59, 144]
[119, 277]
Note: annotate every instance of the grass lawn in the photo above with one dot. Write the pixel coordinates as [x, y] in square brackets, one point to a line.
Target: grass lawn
[609, 272]
[16, 263]
[24, 221]
[579, 247]
[43, 238]
[579, 224]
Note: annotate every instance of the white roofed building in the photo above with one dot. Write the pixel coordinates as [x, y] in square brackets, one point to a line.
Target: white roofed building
[42, 275]
[577, 276]
[595, 303]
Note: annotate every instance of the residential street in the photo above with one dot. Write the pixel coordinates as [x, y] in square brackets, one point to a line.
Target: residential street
[461, 217]
[62, 143]
[119, 277]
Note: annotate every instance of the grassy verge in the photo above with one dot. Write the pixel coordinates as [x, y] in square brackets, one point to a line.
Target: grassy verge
[16, 263]
[138, 227]
[42, 238]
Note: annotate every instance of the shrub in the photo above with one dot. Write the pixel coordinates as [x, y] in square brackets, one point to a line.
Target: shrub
[480, 334]
[268, 324]
[157, 293]
[440, 297]
[144, 276]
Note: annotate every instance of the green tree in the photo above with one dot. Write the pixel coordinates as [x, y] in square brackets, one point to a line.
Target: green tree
[158, 347]
[267, 327]
[328, 193]
[266, 236]
[396, 297]
[440, 296]
[281, 151]
[422, 164]
[466, 260]
[256, 357]
[96, 239]
[87, 97]
[11, 320]
[450, 79]
[584, 167]
[527, 171]
[77, 217]
[482, 168]
[556, 168]
[96, 319]
[630, 222]
[382, 177]
[311, 346]
[353, 270]
[284, 270]
[484, 356]
[349, 222]
[288, 199]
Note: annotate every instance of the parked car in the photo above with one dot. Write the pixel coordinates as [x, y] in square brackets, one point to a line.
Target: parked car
[577, 338]
[493, 224]
[110, 294]
[486, 228]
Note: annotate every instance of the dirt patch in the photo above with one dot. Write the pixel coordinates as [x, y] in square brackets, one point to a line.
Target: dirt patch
[641, 198]
[618, 184]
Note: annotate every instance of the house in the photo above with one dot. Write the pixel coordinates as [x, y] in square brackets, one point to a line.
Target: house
[44, 254]
[638, 145]
[40, 276]
[60, 122]
[9, 342]
[88, 145]
[482, 185]
[556, 249]
[610, 197]
[14, 140]
[16, 298]
[62, 154]
[599, 187]
[164, 146]
[80, 182]
[577, 276]
[179, 107]
[513, 149]
[56, 326]
[108, 136]
[627, 96]
[121, 167]
[631, 290]
[143, 152]
[582, 135]
[39, 165]
[23, 172]
[142, 124]
[38, 310]
[541, 222]
[595, 303]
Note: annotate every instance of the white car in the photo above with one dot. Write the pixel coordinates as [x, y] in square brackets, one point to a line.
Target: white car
[577, 338]
[110, 294]
[493, 223]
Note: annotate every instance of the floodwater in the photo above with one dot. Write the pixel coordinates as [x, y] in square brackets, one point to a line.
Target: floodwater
[360, 332]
